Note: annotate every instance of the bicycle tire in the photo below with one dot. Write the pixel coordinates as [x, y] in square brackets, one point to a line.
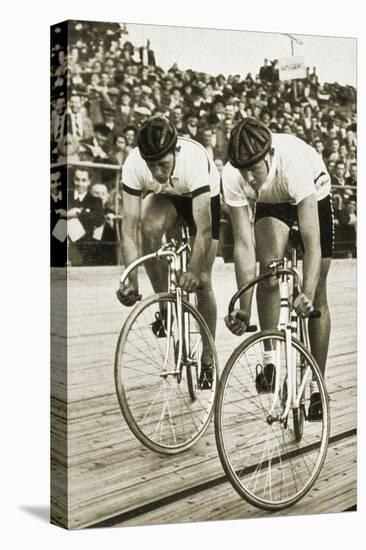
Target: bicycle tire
[170, 422]
[299, 414]
[263, 462]
[192, 377]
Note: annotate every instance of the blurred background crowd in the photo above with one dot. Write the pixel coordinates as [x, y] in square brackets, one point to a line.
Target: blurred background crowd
[103, 88]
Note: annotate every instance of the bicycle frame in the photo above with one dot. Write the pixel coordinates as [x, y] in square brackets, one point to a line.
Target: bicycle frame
[177, 259]
[290, 324]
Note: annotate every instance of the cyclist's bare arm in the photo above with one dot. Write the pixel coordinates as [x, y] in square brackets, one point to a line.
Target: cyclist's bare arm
[310, 233]
[201, 209]
[129, 239]
[245, 263]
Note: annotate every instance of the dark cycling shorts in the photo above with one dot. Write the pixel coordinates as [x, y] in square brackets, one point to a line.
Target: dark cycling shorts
[287, 213]
[183, 206]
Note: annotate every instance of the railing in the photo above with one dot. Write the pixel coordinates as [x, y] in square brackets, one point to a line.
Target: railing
[117, 169]
[342, 246]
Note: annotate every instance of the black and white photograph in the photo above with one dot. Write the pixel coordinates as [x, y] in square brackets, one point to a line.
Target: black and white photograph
[203, 269]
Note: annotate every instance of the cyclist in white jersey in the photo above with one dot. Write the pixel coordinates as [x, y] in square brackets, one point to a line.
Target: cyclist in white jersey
[167, 179]
[275, 180]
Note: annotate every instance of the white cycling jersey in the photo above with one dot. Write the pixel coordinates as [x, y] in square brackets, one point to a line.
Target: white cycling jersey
[194, 173]
[297, 171]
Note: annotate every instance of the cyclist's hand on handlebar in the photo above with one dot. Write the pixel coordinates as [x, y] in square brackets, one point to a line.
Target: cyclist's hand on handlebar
[237, 321]
[303, 305]
[188, 281]
[127, 294]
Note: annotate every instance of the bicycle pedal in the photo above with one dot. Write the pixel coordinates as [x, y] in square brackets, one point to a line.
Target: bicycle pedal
[206, 377]
[265, 379]
[158, 326]
[315, 411]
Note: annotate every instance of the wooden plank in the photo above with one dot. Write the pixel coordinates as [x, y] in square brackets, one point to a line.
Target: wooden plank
[109, 470]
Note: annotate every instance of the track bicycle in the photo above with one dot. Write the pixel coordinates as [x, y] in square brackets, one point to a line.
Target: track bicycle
[270, 451]
[159, 378]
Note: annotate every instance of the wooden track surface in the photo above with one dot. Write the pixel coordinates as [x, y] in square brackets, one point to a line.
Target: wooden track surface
[112, 479]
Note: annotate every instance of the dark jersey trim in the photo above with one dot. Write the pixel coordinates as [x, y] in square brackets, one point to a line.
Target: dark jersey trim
[320, 175]
[131, 191]
[200, 190]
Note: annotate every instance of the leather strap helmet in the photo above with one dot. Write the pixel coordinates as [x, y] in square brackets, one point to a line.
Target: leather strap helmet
[156, 137]
[250, 140]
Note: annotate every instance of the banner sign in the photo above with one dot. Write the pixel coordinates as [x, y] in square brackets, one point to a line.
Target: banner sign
[292, 67]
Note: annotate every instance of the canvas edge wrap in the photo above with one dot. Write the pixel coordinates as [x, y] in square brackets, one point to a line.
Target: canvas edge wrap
[59, 501]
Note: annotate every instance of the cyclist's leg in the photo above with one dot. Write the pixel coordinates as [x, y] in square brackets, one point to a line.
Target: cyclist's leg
[205, 296]
[157, 216]
[206, 301]
[319, 329]
[271, 236]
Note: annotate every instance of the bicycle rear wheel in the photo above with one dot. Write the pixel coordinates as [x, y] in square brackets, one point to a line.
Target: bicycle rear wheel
[262, 457]
[156, 403]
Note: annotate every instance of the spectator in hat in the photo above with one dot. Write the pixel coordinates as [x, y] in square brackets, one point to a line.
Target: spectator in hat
[109, 114]
[300, 132]
[265, 117]
[67, 150]
[319, 147]
[146, 98]
[130, 135]
[118, 152]
[352, 178]
[287, 128]
[334, 150]
[96, 149]
[141, 114]
[222, 138]
[125, 113]
[106, 234]
[78, 124]
[176, 117]
[136, 97]
[76, 78]
[219, 165]
[156, 96]
[338, 178]
[58, 211]
[350, 139]
[208, 142]
[330, 164]
[190, 126]
[112, 95]
[58, 119]
[176, 99]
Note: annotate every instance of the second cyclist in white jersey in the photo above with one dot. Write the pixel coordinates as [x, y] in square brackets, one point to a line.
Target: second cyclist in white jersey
[276, 180]
[167, 179]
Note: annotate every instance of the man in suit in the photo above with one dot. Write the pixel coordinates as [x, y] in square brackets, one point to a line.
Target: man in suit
[79, 124]
[58, 212]
[88, 210]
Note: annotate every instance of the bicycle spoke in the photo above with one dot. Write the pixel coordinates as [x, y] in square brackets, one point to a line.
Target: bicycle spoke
[158, 397]
[264, 461]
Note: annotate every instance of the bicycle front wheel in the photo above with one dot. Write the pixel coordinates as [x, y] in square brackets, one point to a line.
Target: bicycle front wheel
[264, 459]
[161, 406]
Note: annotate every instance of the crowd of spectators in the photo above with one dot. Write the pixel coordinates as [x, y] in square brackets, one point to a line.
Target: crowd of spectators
[103, 88]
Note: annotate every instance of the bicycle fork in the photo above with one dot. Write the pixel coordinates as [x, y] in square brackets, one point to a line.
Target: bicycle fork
[181, 327]
[288, 324]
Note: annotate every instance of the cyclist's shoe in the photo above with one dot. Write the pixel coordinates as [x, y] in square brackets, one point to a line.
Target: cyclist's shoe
[206, 377]
[159, 326]
[315, 412]
[265, 379]
[284, 393]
